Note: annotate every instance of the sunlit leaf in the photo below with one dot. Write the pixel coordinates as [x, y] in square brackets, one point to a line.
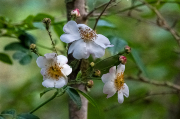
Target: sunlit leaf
[27, 116]
[74, 95]
[39, 17]
[5, 58]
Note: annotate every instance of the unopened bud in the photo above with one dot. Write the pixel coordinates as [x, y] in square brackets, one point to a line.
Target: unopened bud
[90, 83]
[97, 73]
[92, 64]
[127, 49]
[122, 59]
[47, 22]
[32, 46]
[75, 13]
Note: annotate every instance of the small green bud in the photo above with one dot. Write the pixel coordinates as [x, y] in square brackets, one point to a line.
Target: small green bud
[92, 64]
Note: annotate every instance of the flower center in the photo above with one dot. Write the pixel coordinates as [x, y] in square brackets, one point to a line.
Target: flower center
[54, 72]
[119, 81]
[87, 34]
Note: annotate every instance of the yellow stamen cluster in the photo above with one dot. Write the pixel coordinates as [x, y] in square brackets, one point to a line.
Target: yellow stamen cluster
[87, 34]
[119, 81]
[54, 72]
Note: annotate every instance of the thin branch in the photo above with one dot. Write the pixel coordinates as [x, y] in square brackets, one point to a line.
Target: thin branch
[157, 83]
[163, 23]
[101, 14]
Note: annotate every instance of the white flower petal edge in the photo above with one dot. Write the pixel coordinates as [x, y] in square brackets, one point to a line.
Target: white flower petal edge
[54, 70]
[114, 82]
[84, 41]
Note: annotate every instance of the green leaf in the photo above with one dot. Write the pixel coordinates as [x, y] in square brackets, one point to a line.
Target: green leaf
[15, 46]
[138, 61]
[19, 55]
[29, 21]
[106, 64]
[5, 58]
[74, 64]
[74, 95]
[104, 23]
[90, 99]
[119, 45]
[10, 112]
[27, 116]
[45, 91]
[25, 60]
[2, 117]
[26, 39]
[39, 17]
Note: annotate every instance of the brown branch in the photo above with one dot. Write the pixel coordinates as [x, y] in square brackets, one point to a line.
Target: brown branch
[162, 22]
[157, 83]
[101, 14]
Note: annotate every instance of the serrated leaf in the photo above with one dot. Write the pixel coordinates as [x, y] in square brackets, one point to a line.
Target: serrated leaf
[19, 55]
[9, 112]
[106, 64]
[45, 91]
[26, 39]
[27, 116]
[5, 58]
[74, 64]
[138, 61]
[118, 43]
[74, 95]
[15, 46]
[90, 99]
[25, 60]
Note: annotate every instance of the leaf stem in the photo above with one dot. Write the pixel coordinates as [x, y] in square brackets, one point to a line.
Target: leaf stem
[51, 98]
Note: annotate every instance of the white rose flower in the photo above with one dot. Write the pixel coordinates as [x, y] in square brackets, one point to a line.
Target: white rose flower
[114, 82]
[84, 41]
[54, 70]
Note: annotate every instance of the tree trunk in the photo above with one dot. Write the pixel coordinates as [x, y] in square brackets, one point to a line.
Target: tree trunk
[74, 112]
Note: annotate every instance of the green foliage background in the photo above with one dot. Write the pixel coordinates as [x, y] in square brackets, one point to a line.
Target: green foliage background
[155, 52]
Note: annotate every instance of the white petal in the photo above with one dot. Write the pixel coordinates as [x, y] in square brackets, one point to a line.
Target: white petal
[68, 38]
[48, 83]
[71, 28]
[83, 26]
[60, 83]
[94, 49]
[43, 71]
[109, 89]
[42, 62]
[103, 41]
[125, 90]
[120, 97]
[50, 56]
[66, 69]
[120, 68]
[79, 50]
[62, 59]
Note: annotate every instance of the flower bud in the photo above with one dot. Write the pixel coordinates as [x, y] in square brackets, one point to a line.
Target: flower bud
[90, 83]
[97, 73]
[122, 59]
[75, 13]
[47, 22]
[127, 49]
[32, 46]
[92, 64]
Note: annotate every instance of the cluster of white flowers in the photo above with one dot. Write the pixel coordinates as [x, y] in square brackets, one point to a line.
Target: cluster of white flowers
[83, 42]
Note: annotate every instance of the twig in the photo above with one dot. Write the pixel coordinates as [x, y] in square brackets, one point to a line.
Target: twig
[91, 12]
[53, 44]
[162, 22]
[145, 80]
[101, 14]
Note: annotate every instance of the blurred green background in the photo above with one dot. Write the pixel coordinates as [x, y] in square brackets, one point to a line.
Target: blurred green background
[157, 55]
